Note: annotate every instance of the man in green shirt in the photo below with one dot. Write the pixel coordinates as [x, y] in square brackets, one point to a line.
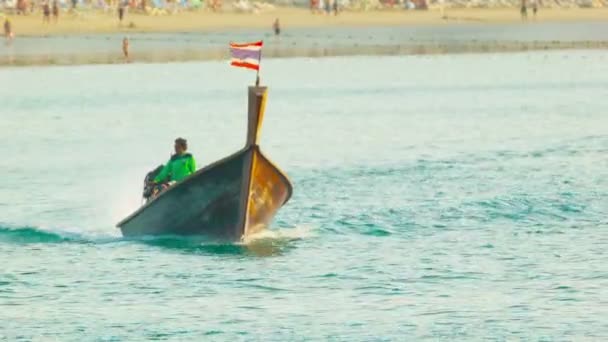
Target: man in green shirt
[180, 166]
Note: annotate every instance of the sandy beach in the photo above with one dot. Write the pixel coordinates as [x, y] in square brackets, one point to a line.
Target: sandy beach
[91, 22]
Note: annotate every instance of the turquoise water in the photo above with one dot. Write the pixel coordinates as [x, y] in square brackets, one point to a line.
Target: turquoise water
[436, 198]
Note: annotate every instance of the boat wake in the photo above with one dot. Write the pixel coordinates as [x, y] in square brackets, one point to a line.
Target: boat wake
[266, 243]
[27, 234]
[284, 234]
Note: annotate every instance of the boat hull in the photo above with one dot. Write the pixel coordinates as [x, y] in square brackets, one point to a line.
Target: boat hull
[228, 200]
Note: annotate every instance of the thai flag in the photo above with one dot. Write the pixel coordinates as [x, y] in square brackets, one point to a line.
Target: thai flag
[246, 55]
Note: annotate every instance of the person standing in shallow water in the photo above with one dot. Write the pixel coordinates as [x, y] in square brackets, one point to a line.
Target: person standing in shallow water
[8, 31]
[276, 27]
[534, 7]
[524, 10]
[125, 48]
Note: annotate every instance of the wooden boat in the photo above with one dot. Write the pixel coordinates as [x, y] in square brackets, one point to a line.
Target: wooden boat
[230, 199]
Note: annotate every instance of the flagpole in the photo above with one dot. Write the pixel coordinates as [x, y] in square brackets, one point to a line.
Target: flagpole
[257, 75]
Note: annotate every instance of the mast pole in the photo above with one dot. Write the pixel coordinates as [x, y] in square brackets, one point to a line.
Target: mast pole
[257, 75]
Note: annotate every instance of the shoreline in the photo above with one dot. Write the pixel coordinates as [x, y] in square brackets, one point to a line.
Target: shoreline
[221, 54]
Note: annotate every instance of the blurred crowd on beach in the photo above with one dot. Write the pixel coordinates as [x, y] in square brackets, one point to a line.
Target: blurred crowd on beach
[23, 15]
[24, 7]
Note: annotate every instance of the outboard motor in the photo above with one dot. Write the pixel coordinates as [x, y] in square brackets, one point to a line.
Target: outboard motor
[148, 185]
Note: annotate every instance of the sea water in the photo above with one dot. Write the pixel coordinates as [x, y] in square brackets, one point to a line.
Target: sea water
[454, 197]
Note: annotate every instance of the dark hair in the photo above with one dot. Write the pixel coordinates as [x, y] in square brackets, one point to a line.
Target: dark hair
[182, 142]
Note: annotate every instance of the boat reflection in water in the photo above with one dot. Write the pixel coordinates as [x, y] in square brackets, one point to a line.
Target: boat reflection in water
[230, 199]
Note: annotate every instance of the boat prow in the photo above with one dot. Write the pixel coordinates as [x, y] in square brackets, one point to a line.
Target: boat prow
[230, 199]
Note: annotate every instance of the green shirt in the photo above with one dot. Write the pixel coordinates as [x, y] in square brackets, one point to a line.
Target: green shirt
[178, 168]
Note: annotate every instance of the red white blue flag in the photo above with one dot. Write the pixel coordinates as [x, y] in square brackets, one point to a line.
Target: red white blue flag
[246, 55]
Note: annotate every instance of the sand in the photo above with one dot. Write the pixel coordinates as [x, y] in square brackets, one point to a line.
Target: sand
[91, 22]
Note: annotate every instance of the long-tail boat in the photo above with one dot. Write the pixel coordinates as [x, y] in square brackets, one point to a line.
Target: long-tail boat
[230, 199]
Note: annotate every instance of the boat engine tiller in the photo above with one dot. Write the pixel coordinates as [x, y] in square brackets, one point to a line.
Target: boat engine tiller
[148, 185]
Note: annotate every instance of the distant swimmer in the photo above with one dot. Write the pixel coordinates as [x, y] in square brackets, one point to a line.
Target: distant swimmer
[276, 27]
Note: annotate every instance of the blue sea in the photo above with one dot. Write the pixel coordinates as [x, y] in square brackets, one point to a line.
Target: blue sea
[449, 197]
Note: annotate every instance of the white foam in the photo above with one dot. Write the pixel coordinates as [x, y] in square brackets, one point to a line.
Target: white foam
[284, 234]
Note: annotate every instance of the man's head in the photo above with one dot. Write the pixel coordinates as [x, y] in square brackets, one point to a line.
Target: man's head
[181, 145]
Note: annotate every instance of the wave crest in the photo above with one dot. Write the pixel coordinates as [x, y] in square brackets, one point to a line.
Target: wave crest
[33, 235]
